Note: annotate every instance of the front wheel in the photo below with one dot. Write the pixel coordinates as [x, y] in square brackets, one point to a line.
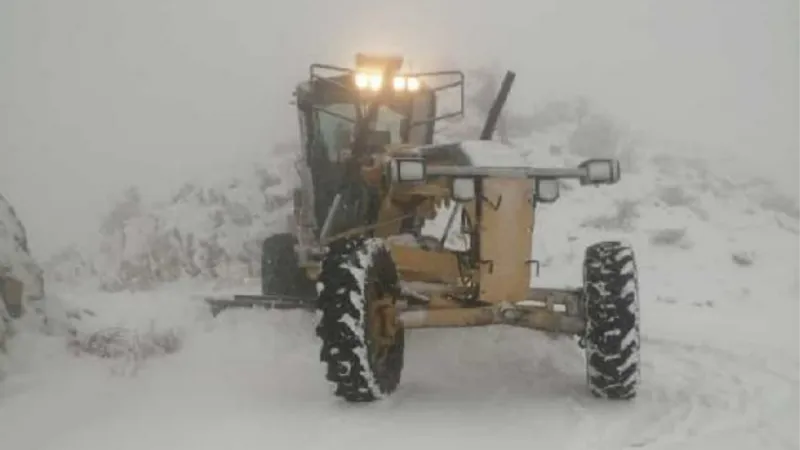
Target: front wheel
[362, 340]
[611, 302]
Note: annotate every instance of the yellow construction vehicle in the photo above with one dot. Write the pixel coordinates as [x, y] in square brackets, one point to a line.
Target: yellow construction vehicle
[372, 177]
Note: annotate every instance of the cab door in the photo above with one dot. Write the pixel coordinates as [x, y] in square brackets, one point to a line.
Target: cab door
[327, 143]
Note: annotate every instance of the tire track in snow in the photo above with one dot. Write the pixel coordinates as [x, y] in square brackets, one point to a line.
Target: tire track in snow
[691, 397]
[694, 396]
[495, 385]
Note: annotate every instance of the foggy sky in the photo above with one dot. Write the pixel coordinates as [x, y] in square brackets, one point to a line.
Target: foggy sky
[99, 94]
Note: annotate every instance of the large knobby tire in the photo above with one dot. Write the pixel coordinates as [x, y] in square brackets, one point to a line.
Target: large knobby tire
[362, 341]
[611, 302]
[280, 270]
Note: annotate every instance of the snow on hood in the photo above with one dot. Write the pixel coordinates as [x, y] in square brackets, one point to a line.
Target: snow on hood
[493, 154]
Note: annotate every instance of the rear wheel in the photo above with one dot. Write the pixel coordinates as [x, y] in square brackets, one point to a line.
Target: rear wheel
[611, 302]
[280, 270]
[362, 340]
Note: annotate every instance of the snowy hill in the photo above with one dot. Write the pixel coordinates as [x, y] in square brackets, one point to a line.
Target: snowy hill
[692, 209]
[668, 198]
[16, 261]
[697, 211]
[204, 231]
[716, 248]
[211, 230]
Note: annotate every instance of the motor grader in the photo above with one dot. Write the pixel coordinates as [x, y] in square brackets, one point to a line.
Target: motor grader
[372, 178]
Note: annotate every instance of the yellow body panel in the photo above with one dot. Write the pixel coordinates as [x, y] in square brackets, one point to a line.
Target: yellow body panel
[506, 238]
[415, 264]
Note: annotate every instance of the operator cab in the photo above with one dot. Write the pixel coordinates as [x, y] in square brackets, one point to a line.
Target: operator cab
[329, 115]
[334, 101]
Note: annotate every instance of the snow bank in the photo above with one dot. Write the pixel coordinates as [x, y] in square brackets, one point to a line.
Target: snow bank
[204, 231]
[707, 227]
[16, 262]
[15, 256]
[39, 314]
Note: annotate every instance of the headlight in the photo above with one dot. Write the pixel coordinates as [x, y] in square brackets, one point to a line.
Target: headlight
[600, 171]
[371, 81]
[361, 80]
[374, 82]
[410, 84]
[547, 190]
[463, 189]
[407, 170]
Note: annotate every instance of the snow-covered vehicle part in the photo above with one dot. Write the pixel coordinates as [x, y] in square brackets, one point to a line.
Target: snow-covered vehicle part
[611, 305]
[371, 178]
[362, 341]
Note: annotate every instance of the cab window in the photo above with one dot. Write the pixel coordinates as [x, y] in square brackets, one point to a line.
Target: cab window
[332, 133]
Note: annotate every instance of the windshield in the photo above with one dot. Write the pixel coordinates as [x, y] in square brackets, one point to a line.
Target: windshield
[335, 125]
[336, 132]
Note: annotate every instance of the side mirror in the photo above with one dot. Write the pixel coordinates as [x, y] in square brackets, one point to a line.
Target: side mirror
[407, 170]
[600, 171]
[463, 189]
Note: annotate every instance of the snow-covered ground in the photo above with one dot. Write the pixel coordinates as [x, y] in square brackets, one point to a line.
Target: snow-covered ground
[717, 253]
[722, 377]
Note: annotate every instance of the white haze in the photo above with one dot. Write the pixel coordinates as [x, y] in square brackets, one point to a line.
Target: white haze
[99, 94]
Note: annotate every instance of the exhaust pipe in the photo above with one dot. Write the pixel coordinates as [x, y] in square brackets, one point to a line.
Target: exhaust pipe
[497, 107]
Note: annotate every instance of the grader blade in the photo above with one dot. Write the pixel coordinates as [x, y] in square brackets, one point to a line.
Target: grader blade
[281, 302]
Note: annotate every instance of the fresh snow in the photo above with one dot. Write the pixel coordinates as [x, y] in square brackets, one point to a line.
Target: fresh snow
[252, 380]
[718, 270]
[493, 154]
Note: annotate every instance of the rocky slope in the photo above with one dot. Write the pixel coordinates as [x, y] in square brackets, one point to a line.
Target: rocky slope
[16, 261]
